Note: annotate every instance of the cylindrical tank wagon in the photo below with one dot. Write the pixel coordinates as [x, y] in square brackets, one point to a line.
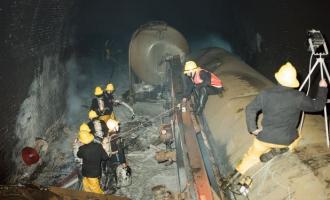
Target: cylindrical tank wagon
[295, 175]
[150, 46]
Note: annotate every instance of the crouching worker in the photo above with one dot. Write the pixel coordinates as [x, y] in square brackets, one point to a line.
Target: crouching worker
[91, 154]
[202, 82]
[281, 107]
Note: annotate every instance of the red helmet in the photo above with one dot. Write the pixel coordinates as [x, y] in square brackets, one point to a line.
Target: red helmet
[30, 155]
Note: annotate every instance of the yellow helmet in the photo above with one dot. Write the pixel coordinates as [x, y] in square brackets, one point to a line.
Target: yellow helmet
[189, 66]
[287, 76]
[92, 114]
[98, 91]
[84, 127]
[85, 137]
[110, 87]
[113, 125]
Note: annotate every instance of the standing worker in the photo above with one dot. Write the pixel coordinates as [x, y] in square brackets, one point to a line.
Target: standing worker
[202, 82]
[118, 155]
[119, 168]
[101, 106]
[91, 154]
[281, 107]
[109, 98]
[76, 144]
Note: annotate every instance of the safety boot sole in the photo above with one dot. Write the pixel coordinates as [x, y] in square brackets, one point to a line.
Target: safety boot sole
[272, 153]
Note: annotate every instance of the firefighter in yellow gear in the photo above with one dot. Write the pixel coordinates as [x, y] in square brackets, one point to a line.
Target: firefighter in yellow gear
[108, 96]
[101, 105]
[92, 154]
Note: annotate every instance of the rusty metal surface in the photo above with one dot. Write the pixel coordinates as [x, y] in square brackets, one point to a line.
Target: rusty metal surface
[68, 194]
[148, 48]
[225, 115]
[32, 192]
[201, 182]
[187, 141]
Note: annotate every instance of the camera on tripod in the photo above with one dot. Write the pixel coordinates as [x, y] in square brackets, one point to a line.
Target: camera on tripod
[317, 44]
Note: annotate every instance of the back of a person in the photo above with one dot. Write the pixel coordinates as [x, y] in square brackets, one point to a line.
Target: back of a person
[108, 97]
[281, 107]
[281, 115]
[108, 102]
[92, 156]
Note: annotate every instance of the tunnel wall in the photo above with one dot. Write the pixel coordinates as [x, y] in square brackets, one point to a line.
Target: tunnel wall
[34, 40]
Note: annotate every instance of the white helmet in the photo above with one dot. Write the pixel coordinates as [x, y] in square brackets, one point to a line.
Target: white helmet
[113, 125]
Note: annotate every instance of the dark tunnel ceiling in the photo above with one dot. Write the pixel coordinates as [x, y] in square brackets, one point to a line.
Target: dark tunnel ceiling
[282, 24]
[117, 16]
[119, 19]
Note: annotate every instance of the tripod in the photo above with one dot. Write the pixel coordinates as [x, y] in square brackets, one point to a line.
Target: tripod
[323, 69]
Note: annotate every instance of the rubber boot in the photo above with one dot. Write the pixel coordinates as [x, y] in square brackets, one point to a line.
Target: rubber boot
[272, 153]
[202, 100]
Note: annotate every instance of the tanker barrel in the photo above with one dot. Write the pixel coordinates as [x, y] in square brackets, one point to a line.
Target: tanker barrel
[151, 45]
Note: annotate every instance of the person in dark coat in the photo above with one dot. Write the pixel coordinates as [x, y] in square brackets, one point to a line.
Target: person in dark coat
[201, 82]
[109, 97]
[91, 154]
[108, 93]
[281, 107]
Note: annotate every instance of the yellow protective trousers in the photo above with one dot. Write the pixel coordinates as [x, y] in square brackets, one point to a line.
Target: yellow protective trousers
[92, 185]
[252, 157]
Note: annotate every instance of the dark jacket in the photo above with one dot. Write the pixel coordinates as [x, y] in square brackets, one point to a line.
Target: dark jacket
[118, 156]
[109, 98]
[188, 84]
[281, 107]
[108, 107]
[92, 154]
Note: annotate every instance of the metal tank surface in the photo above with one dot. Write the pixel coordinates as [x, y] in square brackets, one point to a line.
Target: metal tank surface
[302, 175]
[150, 46]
